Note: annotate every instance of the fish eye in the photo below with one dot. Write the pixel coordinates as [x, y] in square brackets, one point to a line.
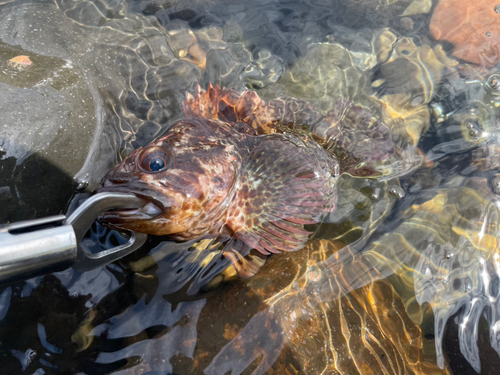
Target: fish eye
[153, 160]
[157, 163]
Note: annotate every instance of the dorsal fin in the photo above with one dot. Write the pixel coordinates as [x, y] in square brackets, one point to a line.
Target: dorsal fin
[355, 136]
[247, 107]
[350, 132]
[227, 105]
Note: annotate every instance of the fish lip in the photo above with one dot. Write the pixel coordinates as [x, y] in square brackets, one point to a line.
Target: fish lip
[118, 217]
[140, 194]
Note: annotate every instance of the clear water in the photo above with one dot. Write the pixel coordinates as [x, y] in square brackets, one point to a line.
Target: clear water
[415, 292]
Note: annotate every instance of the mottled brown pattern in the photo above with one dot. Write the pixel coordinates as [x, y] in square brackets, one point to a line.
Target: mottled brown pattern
[241, 169]
[278, 193]
[193, 192]
[354, 135]
[350, 132]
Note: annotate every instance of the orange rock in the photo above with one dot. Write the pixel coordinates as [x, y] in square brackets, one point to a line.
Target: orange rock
[472, 26]
[20, 61]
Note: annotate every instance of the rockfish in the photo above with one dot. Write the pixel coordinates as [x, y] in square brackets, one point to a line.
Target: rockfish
[245, 171]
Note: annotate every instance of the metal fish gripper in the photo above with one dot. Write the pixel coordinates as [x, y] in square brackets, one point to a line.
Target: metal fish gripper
[36, 247]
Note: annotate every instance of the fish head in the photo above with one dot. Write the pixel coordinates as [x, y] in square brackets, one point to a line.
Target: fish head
[186, 179]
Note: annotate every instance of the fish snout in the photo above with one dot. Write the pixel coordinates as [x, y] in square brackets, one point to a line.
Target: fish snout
[119, 176]
[123, 173]
[113, 181]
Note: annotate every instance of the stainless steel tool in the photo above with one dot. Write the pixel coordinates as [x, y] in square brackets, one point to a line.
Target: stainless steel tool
[36, 247]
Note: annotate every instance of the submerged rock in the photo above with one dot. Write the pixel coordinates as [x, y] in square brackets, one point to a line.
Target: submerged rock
[100, 86]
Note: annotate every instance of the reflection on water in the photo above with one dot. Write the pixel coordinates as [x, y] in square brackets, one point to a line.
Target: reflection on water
[402, 278]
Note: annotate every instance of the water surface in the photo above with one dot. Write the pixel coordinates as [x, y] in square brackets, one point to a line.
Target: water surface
[415, 292]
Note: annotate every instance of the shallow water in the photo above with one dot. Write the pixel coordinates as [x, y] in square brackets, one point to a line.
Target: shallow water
[415, 292]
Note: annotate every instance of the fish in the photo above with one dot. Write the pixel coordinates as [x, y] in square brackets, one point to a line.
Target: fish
[246, 172]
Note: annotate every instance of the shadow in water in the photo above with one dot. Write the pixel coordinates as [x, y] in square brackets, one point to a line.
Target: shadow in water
[33, 189]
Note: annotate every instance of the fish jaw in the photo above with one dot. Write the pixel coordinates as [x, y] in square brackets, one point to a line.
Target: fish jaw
[190, 197]
[150, 214]
[166, 211]
[150, 217]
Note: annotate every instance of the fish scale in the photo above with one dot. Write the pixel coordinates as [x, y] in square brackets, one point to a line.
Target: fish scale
[246, 170]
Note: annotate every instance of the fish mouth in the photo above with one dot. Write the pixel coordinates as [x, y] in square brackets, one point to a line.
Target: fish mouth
[123, 215]
[152, 207]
